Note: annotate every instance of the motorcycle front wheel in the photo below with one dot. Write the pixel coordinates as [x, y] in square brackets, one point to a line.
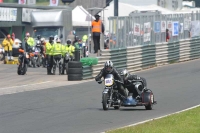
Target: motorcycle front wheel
[19, 70]
[105, 102]
[24, 69]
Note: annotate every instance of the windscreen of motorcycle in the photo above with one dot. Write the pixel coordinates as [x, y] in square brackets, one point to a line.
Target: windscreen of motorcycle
[109, 80]
[37, 49]
[27, 56]
[33, 48]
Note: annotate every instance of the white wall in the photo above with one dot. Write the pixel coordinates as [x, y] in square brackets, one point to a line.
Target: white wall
[168, 3]
[189, 3]
[139, 2]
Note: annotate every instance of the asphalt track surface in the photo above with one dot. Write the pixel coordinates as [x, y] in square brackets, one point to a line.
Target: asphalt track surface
[77, 108]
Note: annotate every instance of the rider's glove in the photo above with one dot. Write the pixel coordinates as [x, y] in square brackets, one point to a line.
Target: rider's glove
[99, 82]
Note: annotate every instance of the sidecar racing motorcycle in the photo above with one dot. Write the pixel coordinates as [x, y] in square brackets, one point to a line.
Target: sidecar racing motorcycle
[112, 98]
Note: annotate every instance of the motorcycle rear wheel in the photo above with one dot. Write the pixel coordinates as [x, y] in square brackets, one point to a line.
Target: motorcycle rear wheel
[105, 101]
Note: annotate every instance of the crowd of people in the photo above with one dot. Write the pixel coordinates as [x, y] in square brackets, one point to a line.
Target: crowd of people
[55, 52]
[52, 50]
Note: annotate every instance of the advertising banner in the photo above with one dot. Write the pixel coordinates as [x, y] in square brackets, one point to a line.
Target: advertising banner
[195, 28]
[163, 26]
[8, 14]
[23, 2]
[136, 29]
[53, 2]
[26, 14]
[157, 26]
[169, 25]
[175, 28]
[31, 2]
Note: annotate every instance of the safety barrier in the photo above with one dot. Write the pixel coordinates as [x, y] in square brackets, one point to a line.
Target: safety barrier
[146, 56]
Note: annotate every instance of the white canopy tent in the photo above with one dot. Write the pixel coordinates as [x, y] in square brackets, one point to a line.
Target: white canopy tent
[81, 17]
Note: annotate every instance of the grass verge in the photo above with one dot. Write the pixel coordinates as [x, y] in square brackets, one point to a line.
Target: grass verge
[185, 122]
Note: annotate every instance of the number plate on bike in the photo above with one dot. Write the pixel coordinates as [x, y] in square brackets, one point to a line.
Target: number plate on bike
[108, 82]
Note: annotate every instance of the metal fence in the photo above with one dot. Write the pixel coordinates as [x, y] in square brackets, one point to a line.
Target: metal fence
[144, 28]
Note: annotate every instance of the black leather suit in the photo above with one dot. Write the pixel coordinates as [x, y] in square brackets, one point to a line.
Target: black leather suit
[116, 75]
[130, 85]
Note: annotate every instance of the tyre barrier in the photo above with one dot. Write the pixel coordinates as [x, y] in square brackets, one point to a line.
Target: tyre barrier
[75, 71]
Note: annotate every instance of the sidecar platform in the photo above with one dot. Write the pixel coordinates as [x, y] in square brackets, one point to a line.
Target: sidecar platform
[130, 101]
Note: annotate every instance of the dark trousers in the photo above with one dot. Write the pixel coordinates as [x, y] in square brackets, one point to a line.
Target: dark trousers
[57, 58]
[121, 90]
[7, 53]
[96, 40]
[49, 59]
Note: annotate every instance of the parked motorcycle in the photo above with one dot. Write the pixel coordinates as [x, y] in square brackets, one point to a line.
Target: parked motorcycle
[36, 60]
[112, 98]
[23, 62]
[66, 59]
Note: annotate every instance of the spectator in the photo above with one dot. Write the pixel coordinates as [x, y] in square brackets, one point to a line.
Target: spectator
[71, 36]
[13, 37]
[7, 43]
[29, 41]
[97, 28]
[167, 35]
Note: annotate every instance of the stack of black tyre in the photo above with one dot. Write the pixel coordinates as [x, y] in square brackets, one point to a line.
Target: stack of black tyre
[75, 71]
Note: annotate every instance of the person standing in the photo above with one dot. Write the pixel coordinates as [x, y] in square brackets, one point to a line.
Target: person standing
[167, 35]
[71, 36]
[13, 36]
[7, 43]
[49, 56]
[29, 42]
[70, 49]
[57, 50]
[97, 28]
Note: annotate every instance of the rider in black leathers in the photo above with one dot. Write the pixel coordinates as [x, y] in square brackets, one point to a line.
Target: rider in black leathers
[109, 69]
[127, 77]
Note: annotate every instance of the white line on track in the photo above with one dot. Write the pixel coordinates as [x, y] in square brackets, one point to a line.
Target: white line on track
[157, 117]
[25, 85]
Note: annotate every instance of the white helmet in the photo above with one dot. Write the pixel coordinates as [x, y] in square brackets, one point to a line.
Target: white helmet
[108, 66]
[58, 40]
[124, 73]
[42, 39]
[27, 34]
